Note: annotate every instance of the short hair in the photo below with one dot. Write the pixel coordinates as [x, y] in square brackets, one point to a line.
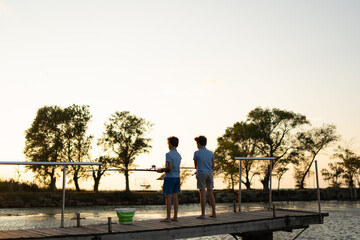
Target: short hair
[201, 140]
[174, 141]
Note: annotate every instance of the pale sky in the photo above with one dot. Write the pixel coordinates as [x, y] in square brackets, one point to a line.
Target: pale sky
[190, 67]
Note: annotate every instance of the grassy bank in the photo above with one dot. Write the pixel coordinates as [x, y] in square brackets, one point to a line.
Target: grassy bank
[88, 198]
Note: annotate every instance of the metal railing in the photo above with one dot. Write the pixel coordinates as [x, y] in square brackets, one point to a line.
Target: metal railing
[270, 176]
[64, 175]
[318, 191]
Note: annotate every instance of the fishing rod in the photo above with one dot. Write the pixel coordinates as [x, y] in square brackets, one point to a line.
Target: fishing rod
[152, 169]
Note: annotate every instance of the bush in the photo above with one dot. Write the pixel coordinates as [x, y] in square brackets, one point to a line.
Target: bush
[13, 186]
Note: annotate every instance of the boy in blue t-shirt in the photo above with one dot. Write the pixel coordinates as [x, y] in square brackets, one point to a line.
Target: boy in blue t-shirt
[172, 179]
[204, 161]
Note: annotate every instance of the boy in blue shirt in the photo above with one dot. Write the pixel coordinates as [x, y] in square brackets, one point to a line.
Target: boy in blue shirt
[204, 161]
[171, 185]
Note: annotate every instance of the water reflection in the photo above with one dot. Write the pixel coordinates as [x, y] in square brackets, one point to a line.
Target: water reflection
[25, 218]
[343, 220]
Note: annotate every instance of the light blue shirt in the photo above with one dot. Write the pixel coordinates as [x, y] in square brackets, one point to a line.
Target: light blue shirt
[175, 158]
[203, 159]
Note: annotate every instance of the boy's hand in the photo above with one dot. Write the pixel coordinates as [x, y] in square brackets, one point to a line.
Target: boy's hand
[160, 170]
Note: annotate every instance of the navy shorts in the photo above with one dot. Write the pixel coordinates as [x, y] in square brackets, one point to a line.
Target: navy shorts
[171, 185]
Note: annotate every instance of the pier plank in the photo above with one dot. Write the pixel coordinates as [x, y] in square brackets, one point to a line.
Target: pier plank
[187, 226]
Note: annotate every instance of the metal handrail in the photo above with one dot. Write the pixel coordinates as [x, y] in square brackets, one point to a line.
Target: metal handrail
[240, 170]
[64, 176]
[270, 192]
[48, 163]
[318, 191]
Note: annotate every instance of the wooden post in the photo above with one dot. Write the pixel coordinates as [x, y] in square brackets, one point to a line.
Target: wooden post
[274, 214]
[77, 218]
[109, 225]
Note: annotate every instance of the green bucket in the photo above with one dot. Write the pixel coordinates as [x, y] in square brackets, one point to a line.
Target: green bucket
[125, 215]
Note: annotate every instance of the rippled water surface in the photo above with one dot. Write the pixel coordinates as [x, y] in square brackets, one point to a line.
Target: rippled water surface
[343, 221]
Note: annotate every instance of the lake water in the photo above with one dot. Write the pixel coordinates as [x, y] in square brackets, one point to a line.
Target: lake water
[343, 221]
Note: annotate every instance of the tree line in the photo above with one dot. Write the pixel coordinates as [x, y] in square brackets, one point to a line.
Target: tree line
[290, 138]
[61, 134]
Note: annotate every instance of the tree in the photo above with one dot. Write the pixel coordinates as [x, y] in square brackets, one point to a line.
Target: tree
[312, 142]
[58, 134]
[300, 167]
[184, 174]
[279, 172]
[274, 135]
[124, 137]
[44, 143]
[350, 162]
[98, 171]
[237, 141]
[333, 176]
[77, 143]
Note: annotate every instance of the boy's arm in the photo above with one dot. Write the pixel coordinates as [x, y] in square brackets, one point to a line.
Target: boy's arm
[213, 163]
[195, 164]
[166, 169]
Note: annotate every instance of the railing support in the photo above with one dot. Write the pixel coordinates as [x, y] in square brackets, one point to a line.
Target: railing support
[63, 197]
[270, 190]
[270, 175]
[240, 171]
[318, 190]
[64, 175]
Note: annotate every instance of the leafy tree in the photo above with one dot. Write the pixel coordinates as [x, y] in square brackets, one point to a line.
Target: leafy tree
[184, 174]
[299, 169]
[98, 171]
[58, 134]
[274, 136]
[225, 162]
[124, 136]
[237, 141]
[312, 142]
[333, 176]
[279, 172]
[76, 143]
[350, 162]
[44, 143]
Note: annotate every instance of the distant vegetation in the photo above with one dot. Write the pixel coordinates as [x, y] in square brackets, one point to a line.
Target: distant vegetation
[61, 134]
[14, 186]
[289, 137]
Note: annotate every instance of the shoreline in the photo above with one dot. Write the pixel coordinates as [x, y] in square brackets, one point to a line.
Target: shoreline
[103, 198]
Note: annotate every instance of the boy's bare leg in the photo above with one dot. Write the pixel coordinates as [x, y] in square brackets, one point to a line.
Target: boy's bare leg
[175, 201]
[202, 203]
[211, 197]
[168, 208]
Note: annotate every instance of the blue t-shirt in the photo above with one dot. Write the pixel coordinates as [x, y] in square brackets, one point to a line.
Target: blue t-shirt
[203, 159]
[175, 158]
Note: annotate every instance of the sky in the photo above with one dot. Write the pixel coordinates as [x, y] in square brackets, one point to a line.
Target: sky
[189, 67]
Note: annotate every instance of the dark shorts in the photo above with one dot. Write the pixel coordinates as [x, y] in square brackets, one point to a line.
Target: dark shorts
[171, 185]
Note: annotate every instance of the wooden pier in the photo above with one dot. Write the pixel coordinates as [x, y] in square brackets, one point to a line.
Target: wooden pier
[246, 225]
